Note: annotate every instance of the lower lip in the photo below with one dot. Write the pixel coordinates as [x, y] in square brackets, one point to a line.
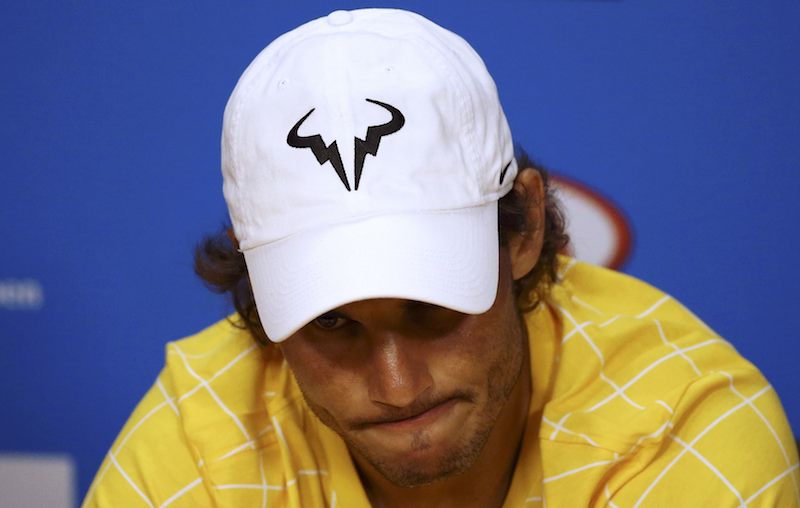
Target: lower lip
[421, 420]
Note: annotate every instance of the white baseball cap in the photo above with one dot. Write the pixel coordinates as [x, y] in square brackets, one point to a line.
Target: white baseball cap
[363, 155]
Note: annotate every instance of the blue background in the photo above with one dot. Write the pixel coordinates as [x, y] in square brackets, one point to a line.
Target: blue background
[685, 113]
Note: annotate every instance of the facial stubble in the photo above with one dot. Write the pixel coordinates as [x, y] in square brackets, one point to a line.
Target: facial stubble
[501, 378]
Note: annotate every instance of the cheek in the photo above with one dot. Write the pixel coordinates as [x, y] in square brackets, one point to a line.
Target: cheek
[488, 350]
[323, 381]
[475, 357]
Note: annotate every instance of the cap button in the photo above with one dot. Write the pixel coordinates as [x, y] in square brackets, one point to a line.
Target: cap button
[339, 18]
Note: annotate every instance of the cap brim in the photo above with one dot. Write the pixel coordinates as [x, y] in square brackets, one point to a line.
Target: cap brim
[448, 258]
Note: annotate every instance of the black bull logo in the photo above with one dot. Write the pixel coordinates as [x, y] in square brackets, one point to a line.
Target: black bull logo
[325, 153]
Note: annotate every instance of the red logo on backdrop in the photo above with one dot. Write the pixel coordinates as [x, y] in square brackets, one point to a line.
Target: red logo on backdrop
[599, 231]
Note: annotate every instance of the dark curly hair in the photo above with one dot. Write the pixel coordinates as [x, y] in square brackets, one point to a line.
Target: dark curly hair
[222, 268]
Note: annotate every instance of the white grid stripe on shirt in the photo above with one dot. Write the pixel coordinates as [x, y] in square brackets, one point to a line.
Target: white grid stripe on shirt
[244, 446]
[694, 441]
[579, 328]
[285, 445]
[665, 406]
[312, 472]
[619, 392]
[129, 480]
[769, 427]
[219, 344]
[575, 331]
[653, 307]
[265, 430]
[586, 305]
[652, 366]
[772, 482]
[556, 425]
[101, 474]
[217, 374]
[599, 354]
[213, 394]
[710, 466]
[167, 401]
[572, 262]
[577, 470]
[146, 417]
[265, 486]
[170, 400]
[680, 351]
[248, 486]
[279, 432]
[610, 321]
[180, 493]
[559, 427]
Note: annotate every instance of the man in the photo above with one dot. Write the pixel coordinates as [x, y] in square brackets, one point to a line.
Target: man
[406, 334]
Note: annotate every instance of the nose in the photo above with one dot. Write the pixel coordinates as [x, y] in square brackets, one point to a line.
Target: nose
[398, 375]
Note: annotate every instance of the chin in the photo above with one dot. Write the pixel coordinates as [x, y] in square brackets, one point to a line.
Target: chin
[421, 470]
[422, 461]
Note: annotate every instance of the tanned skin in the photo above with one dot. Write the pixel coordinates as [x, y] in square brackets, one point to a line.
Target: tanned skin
[432, 403]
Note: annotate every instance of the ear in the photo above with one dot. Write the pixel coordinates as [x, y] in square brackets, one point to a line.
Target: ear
[525, 247]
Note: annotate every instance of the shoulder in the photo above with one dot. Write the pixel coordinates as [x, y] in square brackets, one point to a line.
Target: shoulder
[221, 353]
[642, 382]
[203, 424]
[245, 418]
[625, 347]
[215, 377]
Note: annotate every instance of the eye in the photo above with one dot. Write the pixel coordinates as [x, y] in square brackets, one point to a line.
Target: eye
[331, 321]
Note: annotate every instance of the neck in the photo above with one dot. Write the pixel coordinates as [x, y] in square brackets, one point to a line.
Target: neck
[485, 483]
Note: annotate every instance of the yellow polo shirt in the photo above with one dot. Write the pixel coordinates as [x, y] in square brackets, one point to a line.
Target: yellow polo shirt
[635, 403]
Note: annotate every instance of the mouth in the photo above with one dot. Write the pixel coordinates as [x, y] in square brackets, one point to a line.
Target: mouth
[421, 419]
